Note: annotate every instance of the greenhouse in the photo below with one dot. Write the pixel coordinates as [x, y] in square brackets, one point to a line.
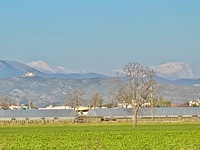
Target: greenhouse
[145, 112]
[110, 112]
[170, 112]
[36, 114]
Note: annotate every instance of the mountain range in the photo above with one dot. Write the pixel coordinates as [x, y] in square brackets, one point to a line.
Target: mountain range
[173, 72]
[43, 83]
[11, 69]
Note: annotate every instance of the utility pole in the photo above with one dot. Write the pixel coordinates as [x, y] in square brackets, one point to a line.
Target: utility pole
[29, 101]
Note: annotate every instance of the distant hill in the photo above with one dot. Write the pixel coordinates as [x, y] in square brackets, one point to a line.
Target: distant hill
[77, 75]
[183, 82]
[9, 69]
[163, 80]
[43, 91]
[187, 82]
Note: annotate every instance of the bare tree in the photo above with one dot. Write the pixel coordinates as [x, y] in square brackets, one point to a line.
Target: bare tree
[135, 86]
[75, 99]
[5, 102]
[96, 100]
[120, 97]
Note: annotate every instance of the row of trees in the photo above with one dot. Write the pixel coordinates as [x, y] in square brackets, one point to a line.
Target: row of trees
[76, 99]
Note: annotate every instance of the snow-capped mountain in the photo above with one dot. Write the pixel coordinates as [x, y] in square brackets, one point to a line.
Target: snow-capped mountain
[174, 70]
[9, 69]
[44, 67]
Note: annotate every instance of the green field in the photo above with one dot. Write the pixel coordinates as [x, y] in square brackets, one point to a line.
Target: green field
[166, 136]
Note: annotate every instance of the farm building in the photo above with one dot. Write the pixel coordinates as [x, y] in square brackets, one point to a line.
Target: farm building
[36, 114]
[145, 112]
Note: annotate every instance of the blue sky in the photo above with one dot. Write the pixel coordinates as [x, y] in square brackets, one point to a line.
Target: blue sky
[100, 36]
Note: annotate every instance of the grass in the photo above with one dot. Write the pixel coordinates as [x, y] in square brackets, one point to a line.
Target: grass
[166, 136]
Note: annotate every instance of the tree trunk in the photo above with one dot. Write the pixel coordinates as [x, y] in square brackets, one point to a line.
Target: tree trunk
[152, 108]
[135, 119]
[135, 116]
[152, 113]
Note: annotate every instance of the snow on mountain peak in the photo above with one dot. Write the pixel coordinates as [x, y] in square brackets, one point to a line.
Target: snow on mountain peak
[41, 66]
[44, 67]
[174, 70]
